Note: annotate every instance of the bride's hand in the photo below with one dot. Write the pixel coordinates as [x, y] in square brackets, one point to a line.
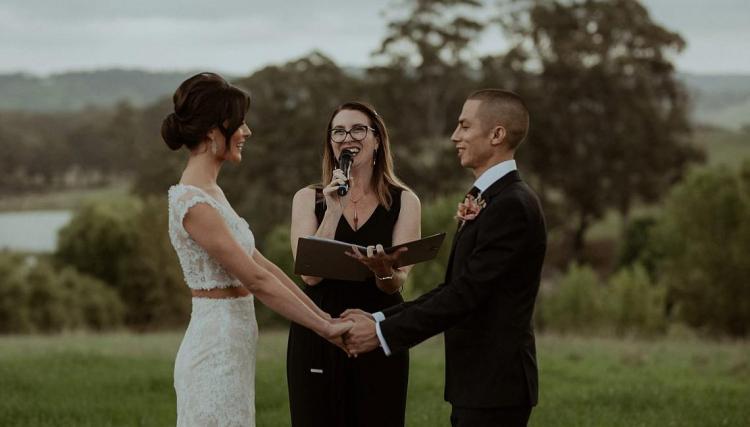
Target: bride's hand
[335, 331]
[333, 201]
[337, 328]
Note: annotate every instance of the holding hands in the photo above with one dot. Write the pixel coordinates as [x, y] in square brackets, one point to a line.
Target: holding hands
[335, 330]
[362, 337]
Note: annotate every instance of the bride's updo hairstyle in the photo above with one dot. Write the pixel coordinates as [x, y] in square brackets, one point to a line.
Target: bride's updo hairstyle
[201, 103]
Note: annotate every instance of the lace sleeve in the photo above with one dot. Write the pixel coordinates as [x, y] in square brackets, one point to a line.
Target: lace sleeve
[200, 270]
[184, 199]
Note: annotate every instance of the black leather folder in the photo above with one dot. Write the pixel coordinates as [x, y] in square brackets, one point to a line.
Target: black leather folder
[327, 258]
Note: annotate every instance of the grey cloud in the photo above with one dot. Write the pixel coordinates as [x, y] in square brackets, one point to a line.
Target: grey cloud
[240, 35]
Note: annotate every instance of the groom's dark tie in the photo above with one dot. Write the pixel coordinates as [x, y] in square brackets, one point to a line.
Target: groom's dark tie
[473, 192]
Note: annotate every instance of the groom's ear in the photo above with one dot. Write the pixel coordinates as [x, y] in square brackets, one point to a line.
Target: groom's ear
[497, 136]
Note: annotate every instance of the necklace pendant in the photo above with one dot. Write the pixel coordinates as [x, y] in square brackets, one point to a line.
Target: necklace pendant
[356, 220]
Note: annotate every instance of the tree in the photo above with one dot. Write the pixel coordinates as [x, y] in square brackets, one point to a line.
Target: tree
[430, 48]
[438, 215]
[36, 155]
[609, 118]
[125, 244]
[424, 75]
[290, 108]
[158, 166]
[703, 238]
[151, 283]
[99, 238]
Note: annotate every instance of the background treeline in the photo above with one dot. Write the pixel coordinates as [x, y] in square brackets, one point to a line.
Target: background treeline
[84, 89]
[610, 135]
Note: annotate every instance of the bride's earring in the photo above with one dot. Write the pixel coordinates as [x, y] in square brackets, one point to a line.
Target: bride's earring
[374, 156]
[214, 149]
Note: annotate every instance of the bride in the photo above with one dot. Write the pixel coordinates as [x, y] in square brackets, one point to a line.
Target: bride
[214, 374]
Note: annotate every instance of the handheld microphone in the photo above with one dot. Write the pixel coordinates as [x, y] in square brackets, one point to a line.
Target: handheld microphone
[345, 164]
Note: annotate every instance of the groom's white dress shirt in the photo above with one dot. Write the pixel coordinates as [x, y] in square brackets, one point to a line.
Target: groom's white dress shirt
[489, 177]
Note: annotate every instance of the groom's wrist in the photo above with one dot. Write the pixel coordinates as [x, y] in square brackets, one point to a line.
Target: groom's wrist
[381, 338]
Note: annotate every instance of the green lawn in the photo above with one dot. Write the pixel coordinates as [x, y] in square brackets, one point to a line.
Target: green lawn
[126, 380]
[722, 146]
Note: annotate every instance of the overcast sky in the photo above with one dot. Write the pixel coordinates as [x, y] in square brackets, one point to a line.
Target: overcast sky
[240, 36]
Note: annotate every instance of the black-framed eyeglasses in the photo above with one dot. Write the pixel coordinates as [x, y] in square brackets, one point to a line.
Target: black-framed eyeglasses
[357, 132]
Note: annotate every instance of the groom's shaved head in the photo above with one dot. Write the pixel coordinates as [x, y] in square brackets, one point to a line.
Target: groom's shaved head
[503, 108]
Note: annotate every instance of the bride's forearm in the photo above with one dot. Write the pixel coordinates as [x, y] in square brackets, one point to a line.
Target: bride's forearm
[281, 299]
[288, 283]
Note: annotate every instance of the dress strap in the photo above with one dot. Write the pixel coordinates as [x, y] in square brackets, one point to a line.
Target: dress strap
[395, 209]
[320, 203]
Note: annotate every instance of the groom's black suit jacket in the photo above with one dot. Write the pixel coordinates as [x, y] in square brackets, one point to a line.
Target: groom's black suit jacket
[485, 304]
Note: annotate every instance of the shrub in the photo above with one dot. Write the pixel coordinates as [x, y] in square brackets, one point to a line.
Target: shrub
[575, 304]
[637, 246]
[37, 297]
[151, 282]
[14, 295]
[99, 238]
[91, 303]
[628, 304]
[46, 299]
[703, 236]
[437, 217]
[125, 243]
[277, 248]
[635, 306]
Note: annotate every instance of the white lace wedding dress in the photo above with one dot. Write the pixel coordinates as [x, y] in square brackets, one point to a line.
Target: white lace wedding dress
[214, 373]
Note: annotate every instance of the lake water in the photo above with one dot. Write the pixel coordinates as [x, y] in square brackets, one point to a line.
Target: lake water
[32, 231]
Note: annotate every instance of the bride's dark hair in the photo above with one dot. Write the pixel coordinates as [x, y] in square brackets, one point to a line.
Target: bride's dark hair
[201, 103]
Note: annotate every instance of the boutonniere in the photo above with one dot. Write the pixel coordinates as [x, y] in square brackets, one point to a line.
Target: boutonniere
[469, 209]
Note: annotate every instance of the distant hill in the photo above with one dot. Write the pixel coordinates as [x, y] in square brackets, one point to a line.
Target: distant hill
[720, 100]
[75, 90]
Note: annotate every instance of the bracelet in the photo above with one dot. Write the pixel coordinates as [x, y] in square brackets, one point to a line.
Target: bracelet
[384, 277]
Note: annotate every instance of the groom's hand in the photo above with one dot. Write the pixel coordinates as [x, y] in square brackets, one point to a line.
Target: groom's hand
[362, 337]
[338, 337]
[350, 311]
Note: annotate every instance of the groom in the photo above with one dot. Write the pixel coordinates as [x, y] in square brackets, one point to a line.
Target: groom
[486, 301]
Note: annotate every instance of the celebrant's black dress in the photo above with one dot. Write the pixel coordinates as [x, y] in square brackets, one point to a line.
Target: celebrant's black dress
[326, 388]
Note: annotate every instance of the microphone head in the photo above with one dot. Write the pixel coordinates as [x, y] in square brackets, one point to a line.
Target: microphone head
[345, 160]
[345, 164]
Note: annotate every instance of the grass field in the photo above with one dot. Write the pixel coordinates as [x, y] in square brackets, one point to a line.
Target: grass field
[723, 147]
[126, 380]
